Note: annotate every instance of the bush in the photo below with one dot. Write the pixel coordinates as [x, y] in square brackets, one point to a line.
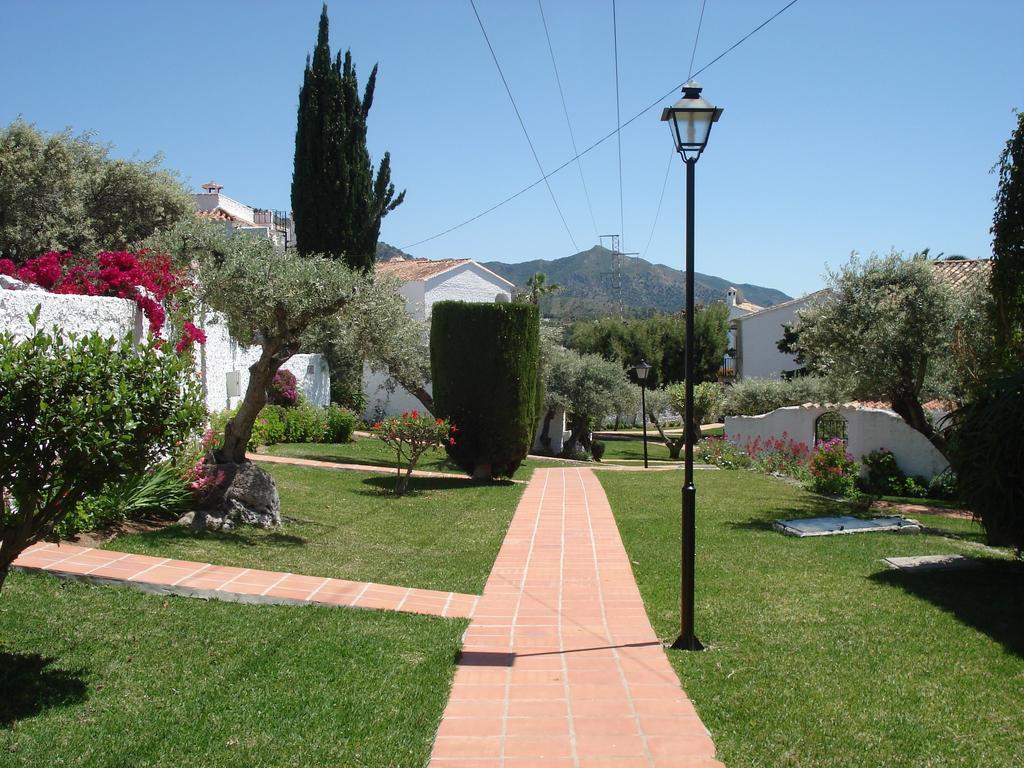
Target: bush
[412, 435]
[340, 424]
[833, 470]
[484, 360]
[884, 477]
[79, 414]
[597, 449]
[944, 486]
[987, 453]
[720, 452]
[752, 397]
[779, 456]
[283, 389]
[158, 491]
[304, 424]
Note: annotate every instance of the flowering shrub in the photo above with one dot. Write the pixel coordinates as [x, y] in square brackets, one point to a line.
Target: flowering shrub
[720, 452]
[779, 456]
[146, 278]
[833, 470]
[411, 435]
[283, 390]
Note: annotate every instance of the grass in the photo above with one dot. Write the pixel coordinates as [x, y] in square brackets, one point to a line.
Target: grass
[631, 451]
[373, 452]
[937, 503]
[818, 654]
[443, 535]
[105, 676]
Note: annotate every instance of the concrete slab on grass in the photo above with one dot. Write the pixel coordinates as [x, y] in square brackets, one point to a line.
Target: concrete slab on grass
[932, 563]
[835, 526]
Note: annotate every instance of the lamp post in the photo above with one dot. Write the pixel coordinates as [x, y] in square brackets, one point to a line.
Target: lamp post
[690, 120]
[641, 370]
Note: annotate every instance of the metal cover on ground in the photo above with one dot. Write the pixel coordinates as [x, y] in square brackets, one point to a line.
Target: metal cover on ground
[834, 526]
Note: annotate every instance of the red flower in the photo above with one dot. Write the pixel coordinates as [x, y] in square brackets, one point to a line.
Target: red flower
[451, 441]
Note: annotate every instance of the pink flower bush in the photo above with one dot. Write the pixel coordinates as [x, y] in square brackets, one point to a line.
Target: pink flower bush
[411, 435]
[283, 390]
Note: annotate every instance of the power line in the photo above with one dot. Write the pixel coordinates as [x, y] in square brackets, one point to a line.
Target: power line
[544, 177]
[568, 122]
[661, 198]
[618, 119]
[696, 37]
[603, 139]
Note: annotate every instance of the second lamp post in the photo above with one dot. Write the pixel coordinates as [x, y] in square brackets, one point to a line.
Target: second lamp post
[690, 119]
[641, 370]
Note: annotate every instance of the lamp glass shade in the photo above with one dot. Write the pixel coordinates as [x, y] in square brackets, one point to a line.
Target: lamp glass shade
[641, 370]
[690, 120]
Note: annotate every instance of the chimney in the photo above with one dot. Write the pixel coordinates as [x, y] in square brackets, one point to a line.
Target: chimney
[213, 188]
[731, 297]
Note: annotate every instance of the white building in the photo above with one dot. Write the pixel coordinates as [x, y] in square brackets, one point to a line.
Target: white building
[756, 336]
[738, 307]
[424, 283]
[213, 204]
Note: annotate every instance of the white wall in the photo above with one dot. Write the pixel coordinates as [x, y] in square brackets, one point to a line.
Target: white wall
[415, 304]
[556, 431]
[868, 429]
[312, 377]
[111, 317]
[386, 398]
[468, 282]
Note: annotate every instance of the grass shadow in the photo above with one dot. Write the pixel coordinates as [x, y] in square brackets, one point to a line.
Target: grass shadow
[241, 537]
[385, 485]
[30, 685]
[989, 599]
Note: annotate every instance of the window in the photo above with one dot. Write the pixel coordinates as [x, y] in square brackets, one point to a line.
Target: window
[829, 425]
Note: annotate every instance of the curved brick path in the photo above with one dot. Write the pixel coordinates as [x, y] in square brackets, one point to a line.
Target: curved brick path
[560, 665]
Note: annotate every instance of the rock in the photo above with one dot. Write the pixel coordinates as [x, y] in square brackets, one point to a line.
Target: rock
[13, 284]
[187, 518]
[248, 496]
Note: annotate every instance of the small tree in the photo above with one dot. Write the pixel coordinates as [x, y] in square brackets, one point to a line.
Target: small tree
[707, 403]
[884, 327]
[79, 413]
[537, 287]
[336, 202]
[484, 360]
[410, 436]
[587, 387]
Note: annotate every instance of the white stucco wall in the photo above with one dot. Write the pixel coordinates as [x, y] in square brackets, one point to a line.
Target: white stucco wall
[868, 429]
[468, 282]
[556, 431]
[757, 338]
[383, 400]
[312, 376]
[222, 355]
[110, 317]
[415, 304]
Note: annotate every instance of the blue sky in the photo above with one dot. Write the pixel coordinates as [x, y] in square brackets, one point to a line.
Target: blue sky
[848, 126]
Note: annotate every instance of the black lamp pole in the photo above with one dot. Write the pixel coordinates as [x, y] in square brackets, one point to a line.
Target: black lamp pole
[643, 416]
[690, 119]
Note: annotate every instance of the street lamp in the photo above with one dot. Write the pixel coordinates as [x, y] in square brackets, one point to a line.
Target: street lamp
[690, 119]
[641, 370]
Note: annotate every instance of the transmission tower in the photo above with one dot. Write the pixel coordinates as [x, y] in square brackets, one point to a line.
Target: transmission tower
[617, 267]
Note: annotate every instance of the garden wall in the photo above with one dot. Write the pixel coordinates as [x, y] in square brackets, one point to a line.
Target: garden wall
[868, 429]
[110, 317]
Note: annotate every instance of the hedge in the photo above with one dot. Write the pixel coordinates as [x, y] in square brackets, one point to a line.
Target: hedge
[483, 360]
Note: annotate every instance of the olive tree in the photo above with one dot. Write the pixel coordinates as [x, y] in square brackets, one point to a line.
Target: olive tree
[886, 325]
[587, 387]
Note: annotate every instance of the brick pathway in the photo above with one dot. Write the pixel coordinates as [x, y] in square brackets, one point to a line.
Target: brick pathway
[161, 575]
[560, 665]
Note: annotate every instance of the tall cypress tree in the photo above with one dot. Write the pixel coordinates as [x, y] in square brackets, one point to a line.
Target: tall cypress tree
[1008, 249]
[337, 203]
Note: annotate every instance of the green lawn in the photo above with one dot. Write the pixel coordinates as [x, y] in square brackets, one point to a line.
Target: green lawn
[443, 535]
[106, 676]
[631, 451]
[818, 654]
[369, 450]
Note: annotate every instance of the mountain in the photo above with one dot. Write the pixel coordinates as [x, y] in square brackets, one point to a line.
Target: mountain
[588, 280]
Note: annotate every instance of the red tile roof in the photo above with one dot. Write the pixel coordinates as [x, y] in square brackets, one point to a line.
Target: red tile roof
[417, 269]
[957, 273]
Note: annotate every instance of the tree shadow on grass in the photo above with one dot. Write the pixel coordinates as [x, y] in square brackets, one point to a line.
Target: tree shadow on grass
[990, 598]
[30, 685]
[384, 485]
[243, 537]
[816, 506]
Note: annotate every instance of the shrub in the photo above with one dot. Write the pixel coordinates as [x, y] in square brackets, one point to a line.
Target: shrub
[779, 456]
[283, 389]
[987, 454]
[884, 477]
[484, 360]
[304, 424]
[597, 449]
[751, 397]
[79, 414]
[411, 435]
[340, 423]
[720, 452]
[161, 490]
[944, 486]
[833, 470]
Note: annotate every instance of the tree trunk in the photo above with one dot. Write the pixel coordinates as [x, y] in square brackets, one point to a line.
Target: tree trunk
[577, 434]
[239, 428]
[908, 408]
[545, 433]
[674, 447]
[423, 396]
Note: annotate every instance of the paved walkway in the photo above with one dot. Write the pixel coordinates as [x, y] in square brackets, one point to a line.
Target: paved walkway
[560, 665]
[161, 575]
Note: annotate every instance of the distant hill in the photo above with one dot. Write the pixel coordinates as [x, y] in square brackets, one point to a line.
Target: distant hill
[588, 283]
